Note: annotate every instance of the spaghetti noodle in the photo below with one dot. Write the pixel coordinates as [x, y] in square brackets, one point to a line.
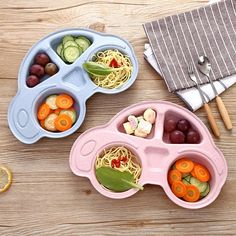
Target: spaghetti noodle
[116, 78]
[126, 160]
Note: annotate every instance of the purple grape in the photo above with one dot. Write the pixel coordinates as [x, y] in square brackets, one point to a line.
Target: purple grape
[183, 125]
[169, 125]
[32, 81]
[177, 136]
[192, 137]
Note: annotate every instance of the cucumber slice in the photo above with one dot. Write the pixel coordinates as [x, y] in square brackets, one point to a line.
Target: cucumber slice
[62, 56]
[83, 42]
[185, 175]
[49, 122]
[185, 182]
[59, 49]
[67, 38]
[188, 177]
[70, 113]
[205, 193]
[51, 101]
[72, 53]
[202, 186]
[70, 43]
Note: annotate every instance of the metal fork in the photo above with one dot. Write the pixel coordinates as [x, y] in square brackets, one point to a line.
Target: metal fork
[207, 108]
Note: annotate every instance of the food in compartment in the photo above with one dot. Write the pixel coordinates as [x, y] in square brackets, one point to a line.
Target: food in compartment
[189, 180]
[42, 67]
[57, 113]
[140, 126]
[71, 47]
[181, 131]
[117, 169]
[109, 69]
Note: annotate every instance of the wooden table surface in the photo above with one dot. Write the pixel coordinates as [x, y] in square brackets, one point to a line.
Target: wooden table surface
[45, 197]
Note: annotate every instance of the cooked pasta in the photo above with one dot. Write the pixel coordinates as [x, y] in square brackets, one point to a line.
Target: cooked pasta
[116, 78]
[129, 163]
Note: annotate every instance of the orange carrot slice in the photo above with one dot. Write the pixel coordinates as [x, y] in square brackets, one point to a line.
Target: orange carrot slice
[201, 173]
[43, 111]
[42, 123]
[178, 188]
[193, 173]
[63, 122]
[184, 165]
[192, 193]
[64, 101]
[174, 175]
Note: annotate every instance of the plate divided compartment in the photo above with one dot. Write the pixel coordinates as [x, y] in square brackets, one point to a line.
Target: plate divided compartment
[71, 79]
[155, 153]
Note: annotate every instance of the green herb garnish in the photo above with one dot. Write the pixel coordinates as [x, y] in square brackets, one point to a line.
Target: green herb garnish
[116, 180]
[97, 69]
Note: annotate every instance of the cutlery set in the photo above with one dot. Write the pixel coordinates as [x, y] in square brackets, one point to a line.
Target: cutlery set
[204, 66]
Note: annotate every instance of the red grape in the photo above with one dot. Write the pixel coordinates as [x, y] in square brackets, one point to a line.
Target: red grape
[42, 59]
[32, 81]
[169, 125]
[192, 137]
[183, 125]
[177, 136]
[51, 69]
[37, 70]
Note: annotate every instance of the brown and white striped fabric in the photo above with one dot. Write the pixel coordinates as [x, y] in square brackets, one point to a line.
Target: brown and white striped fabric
[180, 39]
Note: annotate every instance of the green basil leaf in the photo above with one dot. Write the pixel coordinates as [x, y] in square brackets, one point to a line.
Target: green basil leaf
[97, 69]
[116, 180]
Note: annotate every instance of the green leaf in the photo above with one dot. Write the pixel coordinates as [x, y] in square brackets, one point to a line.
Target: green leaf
[97, 69]
[116, 180]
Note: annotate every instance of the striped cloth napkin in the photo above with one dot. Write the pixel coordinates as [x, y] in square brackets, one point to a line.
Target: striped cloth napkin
[180, 39]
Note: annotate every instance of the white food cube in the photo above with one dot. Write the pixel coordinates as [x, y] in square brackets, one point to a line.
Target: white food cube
[139, 133]
[128, 128]
[144, 126]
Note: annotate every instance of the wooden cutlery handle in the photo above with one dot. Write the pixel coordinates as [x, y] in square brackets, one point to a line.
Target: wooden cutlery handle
[212, 120]
[224, 113]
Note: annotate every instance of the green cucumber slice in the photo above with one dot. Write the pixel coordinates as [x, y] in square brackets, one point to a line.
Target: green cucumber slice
[185, 175]
[205, 193]
[72, 53]
[70, 113]
[83, 42]
[188, 177]
[67, 38]
[70, 43]
[185, 182]
[49, 122]
[62, 55]
[59, 49]
[51, 101]
[202, 186]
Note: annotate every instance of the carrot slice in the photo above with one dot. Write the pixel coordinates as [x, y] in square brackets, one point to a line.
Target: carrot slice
[43, 111]
[201, 173]
[179, 188]
[63, 122]
[193, 173]
[57, 111]
[42, 124]
[192, 193]
[184, 165]
[64, 101]
[174, 175]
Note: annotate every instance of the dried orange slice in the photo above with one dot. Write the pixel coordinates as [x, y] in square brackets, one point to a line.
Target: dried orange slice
[5, 178]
